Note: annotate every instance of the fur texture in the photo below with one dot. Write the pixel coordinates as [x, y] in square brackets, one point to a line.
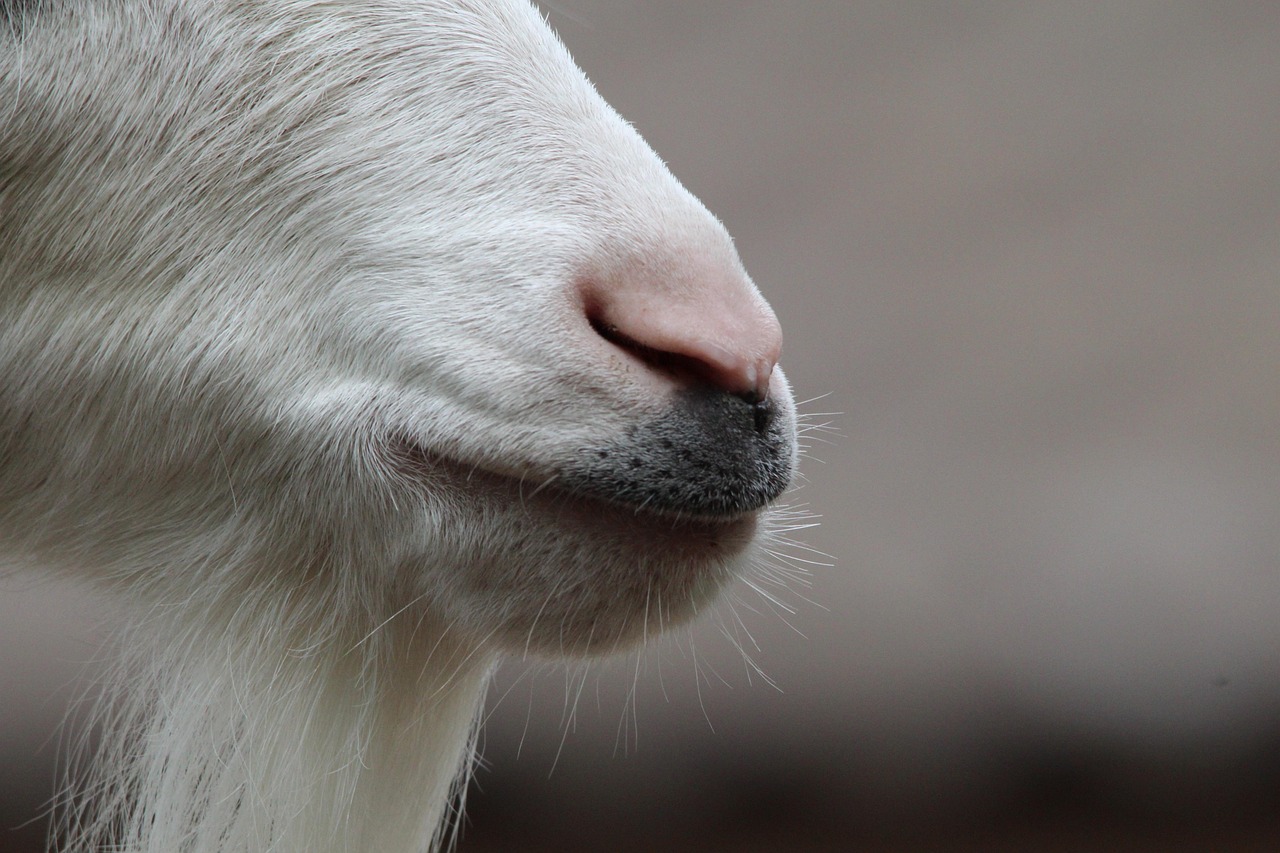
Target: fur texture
[303, 353]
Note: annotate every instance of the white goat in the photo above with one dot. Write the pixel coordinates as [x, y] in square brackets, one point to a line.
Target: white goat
[354, 343]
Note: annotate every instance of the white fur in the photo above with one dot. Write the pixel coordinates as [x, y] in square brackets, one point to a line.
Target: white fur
[291, 358]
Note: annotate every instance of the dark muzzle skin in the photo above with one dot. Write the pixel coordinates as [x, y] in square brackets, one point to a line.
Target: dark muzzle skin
[711, 453]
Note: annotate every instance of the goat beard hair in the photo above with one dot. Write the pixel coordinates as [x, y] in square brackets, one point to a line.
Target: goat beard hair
[191, 754]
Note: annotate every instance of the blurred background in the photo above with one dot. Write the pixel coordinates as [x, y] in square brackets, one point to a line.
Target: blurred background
[1031, 254]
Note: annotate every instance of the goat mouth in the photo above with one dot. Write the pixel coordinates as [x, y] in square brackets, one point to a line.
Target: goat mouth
[594, 566]
[568, 493]
[706, 459]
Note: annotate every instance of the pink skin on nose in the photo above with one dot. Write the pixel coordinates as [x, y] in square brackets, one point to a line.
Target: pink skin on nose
[716, 327]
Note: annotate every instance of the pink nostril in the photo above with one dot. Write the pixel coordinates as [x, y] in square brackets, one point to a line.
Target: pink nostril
[716, 331]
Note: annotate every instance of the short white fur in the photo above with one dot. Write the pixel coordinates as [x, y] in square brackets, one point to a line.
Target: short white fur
[254, 258]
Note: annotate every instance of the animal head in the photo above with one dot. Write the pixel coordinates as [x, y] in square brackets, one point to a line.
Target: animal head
[378, 300]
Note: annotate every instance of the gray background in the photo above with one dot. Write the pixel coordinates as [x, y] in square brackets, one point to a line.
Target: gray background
[1031, 253]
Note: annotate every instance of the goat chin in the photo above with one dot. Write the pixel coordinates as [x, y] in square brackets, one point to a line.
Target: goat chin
[353, 345]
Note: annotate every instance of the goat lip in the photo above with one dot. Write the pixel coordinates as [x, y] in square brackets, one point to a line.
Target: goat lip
[423, 465]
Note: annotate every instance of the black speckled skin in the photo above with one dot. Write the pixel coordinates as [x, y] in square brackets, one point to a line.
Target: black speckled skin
[711, 453]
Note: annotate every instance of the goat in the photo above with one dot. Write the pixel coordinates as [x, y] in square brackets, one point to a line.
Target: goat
[353, 344]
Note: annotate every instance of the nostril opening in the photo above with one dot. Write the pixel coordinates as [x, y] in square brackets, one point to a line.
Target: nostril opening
[681, 367]
[722, 347]
[684, 368]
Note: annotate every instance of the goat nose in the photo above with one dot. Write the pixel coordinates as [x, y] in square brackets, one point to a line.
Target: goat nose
[708, 326]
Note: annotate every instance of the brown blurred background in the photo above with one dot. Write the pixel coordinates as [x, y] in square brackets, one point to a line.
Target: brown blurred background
[1031, 252]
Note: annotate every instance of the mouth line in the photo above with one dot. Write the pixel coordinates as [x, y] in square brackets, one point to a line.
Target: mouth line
[415, 461]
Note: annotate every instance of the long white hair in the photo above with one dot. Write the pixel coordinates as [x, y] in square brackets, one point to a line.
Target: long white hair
[353, 344]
